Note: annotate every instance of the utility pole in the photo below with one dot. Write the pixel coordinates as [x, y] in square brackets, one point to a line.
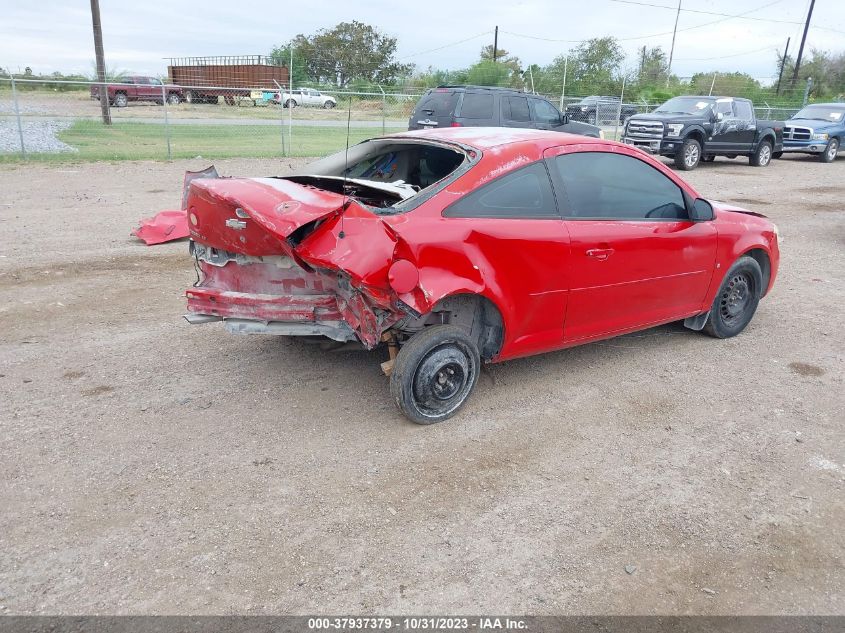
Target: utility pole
[642, 64]
[672, 50]
[101, 61]
[495, 44]
[782, 64]
[803, 39]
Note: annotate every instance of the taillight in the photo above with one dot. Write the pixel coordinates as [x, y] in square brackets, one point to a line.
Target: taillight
[456, 124]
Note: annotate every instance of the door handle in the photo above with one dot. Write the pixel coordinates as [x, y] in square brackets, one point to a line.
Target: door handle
[600, 253]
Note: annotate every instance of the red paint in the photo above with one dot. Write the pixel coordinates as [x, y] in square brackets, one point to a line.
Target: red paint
[163, 227]
[556, 282]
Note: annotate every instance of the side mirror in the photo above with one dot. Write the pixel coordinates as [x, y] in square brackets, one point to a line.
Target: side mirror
[564, 118]
[702, 211]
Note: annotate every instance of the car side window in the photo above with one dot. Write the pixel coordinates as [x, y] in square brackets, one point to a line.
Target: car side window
[744, 110]
[609, 186]
[477, 106]
[524, 193]
[545, 112]
[515, 109]
[724, 108]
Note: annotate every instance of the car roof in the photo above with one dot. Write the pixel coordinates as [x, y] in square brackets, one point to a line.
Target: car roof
[490, 88]
[833, 104]
[487, 137]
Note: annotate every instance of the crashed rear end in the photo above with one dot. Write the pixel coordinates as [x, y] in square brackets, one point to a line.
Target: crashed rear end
[286, 256]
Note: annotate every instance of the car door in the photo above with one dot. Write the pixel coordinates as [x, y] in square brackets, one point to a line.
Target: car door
[520, 247]
[636, 258]
[725, 136]
[514, 111]
[746, 125]
[544, 115]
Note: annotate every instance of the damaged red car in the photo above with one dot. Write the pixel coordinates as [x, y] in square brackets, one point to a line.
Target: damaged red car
[467, 245]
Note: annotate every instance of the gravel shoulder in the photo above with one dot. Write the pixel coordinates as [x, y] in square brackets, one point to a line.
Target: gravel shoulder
[150, 466]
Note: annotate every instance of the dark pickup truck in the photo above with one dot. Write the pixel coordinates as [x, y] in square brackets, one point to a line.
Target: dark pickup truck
[138, 88]
[692, 129]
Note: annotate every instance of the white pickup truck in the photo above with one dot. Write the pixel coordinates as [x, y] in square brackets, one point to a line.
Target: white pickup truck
[305, 97]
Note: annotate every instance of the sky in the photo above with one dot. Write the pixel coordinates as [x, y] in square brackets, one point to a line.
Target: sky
[55, 35]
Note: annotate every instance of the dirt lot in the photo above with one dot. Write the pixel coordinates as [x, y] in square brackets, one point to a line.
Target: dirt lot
[150, 466]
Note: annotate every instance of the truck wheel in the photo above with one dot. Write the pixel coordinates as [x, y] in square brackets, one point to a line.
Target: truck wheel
[120, 100]
[434, 373]
[687, 157]
[190, 96]
[763, 155]
[290, 103]
[829, 153]
[328, 105]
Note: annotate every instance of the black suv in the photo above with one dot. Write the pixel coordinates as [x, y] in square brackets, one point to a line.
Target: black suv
[600, 110]
[478, 106]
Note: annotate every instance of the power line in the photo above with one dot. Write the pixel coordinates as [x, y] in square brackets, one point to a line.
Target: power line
[707, 59]
[440, 48]
[652, 35]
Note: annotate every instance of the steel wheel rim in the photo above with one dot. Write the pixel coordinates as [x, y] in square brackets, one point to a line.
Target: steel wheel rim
[736, 298]
[765, 154]
[691, 155]
[831, 150]
[443, 380]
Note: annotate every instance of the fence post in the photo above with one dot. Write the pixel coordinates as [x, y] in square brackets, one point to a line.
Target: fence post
[383, 106]
[18, 114]
[563, 89]
[619, 110]
[281, 116]
[166, 121]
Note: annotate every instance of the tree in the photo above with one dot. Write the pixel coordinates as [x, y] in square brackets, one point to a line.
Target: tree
[505, 71]
[595, 64]
[349, 51]
[654, 66]
[732, 84]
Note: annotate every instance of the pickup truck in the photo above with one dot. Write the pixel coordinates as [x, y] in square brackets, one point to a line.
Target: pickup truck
[691, 129]
[595, 110]
[305, 97]
[816, 129]
[138, 88]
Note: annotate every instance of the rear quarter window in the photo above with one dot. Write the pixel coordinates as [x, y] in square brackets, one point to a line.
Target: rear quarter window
[438, 104]
[477, 106]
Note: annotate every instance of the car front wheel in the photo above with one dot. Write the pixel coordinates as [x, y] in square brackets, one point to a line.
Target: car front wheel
[737, 299]
[434, 373]
[328, 105]
[688, 155]
[829, 153]
[120, 100]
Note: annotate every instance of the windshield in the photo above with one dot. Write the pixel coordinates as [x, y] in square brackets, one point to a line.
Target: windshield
[832, 114]
[685, 105]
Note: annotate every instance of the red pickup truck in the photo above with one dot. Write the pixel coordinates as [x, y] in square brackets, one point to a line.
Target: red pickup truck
[138, 88]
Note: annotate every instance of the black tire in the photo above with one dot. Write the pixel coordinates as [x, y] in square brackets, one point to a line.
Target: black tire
[762, 155]
[120, 100]
[709, 159]
[777, 155]
[731, 156]
[190, 97]
[737, 299]
[328, 105]
[829, 153]
[173, 99]
[290, 103]
[434, 373]
[689, 155]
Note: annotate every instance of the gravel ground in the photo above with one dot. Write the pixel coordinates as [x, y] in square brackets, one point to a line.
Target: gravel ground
[38, 136]
[155, 467]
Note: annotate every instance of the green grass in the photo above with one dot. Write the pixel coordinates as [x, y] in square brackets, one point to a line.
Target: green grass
[147, 141]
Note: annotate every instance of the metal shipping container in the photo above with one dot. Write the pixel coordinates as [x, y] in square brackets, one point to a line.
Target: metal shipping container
[204, 79]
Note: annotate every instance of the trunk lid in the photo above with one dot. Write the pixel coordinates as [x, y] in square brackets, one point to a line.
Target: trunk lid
[255, 216]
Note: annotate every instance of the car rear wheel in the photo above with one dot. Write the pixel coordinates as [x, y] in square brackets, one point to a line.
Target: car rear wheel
[688, 156]
[434, 373]
[328, 105]
[829, 153]
[737, 299]
[290, 103]
[120, 100]
[763, 155]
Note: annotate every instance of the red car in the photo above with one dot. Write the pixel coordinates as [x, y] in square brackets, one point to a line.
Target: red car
[462, 245]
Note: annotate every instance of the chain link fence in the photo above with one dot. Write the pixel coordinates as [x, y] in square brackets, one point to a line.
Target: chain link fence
[43, 119]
